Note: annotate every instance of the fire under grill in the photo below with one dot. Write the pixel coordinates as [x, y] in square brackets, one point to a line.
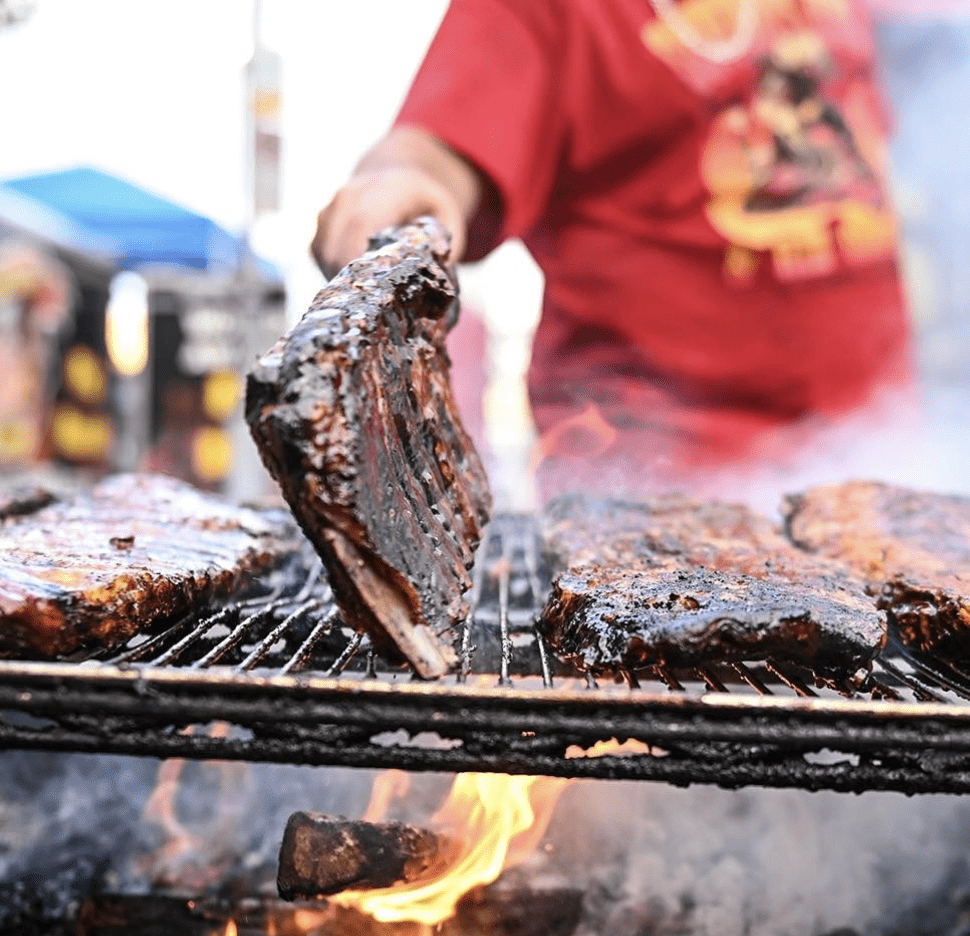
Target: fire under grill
[276, 676]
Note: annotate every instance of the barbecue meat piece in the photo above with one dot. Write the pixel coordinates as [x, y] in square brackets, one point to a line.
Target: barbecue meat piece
[323, 854]
[912, 547]
[94, 568]
[680, 582]
[353, 415]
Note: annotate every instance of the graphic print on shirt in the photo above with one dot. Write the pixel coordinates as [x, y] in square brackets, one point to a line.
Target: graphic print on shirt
[794, 168]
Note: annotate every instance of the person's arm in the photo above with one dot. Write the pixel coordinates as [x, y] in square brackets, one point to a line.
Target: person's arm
[406, 174]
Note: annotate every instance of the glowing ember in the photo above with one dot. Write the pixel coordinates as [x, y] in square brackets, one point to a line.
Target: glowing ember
[500, 820]
[307, 920]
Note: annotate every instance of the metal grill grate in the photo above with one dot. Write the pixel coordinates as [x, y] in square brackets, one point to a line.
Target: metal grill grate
[296, 685]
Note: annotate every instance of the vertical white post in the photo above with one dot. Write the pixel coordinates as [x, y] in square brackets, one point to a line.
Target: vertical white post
[246, 476]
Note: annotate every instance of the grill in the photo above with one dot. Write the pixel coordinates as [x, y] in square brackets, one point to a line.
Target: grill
[276, 676]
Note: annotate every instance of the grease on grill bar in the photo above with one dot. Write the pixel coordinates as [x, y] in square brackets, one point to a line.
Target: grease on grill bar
[298, 686]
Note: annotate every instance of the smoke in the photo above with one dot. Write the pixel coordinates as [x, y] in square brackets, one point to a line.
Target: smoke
[72, 824]
[921, 441]
[710, 862]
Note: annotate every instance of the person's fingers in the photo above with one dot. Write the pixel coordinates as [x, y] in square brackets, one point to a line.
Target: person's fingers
[369, 204]
[341, 236]
[321, 238]
[449, 214]
[351, 235]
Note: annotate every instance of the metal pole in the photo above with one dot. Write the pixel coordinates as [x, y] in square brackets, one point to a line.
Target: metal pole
[246, 477]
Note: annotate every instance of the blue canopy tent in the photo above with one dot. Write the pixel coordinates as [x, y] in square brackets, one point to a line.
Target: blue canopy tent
[24, 216]
[143, 227]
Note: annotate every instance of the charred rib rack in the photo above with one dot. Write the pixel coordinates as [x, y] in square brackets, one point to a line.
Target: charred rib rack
[675, 582]
[93, 569]
[912, 547]
[354, 417]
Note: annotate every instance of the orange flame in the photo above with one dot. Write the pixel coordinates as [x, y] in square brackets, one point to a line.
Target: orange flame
[389, 785]
[500, 819]
[160, 808]
[306, 920]
[611, 748]
[188, 857]
[231, 929]
[585, 435]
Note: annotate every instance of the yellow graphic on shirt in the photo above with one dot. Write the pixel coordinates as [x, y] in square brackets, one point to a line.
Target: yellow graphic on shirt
[714, 21]
[794, 171]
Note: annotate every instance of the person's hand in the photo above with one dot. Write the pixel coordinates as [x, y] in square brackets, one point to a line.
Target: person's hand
[375, 199]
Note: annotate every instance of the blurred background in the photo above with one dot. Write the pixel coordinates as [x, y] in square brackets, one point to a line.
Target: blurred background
[161, 167]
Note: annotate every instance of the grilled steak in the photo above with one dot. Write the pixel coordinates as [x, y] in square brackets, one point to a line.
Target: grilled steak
[353, 415]
[93, 569]
[679, 582]
[912, 547]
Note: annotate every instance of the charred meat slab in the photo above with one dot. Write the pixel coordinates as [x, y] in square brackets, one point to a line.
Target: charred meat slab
[679, 582]
[912, 547]
[93, 569]
[353, 415]
[322, 855]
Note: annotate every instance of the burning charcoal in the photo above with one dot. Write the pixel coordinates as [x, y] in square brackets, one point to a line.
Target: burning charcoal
[353, 415]
[95, 568]
[912, 547]
[502, 911]
[681, 582]
[497, 910]
[148, 915]
[322, 855]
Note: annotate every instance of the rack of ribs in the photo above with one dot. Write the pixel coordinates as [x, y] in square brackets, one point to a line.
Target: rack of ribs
[678, 582]
[912, 547]
[353, 415]
[94, 568]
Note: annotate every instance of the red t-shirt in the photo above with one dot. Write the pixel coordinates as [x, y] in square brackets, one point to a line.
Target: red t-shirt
[717, 242]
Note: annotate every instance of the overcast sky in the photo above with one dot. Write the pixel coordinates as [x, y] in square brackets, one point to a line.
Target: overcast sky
[153, 91]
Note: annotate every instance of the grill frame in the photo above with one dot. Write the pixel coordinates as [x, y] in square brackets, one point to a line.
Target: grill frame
[728, 740]
[774, 728]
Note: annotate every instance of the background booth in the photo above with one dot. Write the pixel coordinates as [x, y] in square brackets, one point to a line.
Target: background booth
[167, 308]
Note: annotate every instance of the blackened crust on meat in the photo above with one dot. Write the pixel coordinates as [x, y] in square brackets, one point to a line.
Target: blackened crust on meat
[608, 621]
[353, 415]
[912, 547]
[21, 501]
[95, 568]
[682, 582]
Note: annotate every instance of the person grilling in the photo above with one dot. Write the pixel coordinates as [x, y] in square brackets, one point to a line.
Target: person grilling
[703, 185]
